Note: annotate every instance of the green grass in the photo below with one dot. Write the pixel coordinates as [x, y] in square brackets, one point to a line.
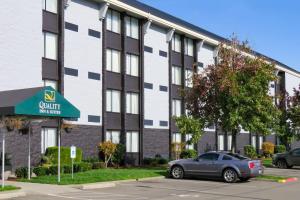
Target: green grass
[8, 188]
[271, 177]
[267, 162]
[100, 175]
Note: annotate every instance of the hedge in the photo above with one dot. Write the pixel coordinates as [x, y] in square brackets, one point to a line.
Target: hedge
[250, 151]
[52, 154]
[64, 169]
[280, 149]
[188, 153]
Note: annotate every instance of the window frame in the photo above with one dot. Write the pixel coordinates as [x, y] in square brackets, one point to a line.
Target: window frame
[188, 137]
[130, 65]
[110, 17]
[46, 48]
[111, 100]
[129, 140]
[50, 81]
[130, 26]
[109, 133]
[176, 43]
[43, 129]
[188, 73]
[175, 103]
[188, 47]
[113, 64]
[176, 75]
[129, 103]
[55, 11]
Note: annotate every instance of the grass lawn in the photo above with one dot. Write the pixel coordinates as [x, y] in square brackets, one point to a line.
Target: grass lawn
[100, 175]
[267, 162]
[8, 188]
[271, 177]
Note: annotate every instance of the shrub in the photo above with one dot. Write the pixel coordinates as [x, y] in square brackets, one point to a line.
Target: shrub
[280, 149]
[155, 161]
[119, 155]
[65, 159]
[268, 149]
[52, 170]
[188, 153]
[250, 151]
[82, 167]
[22, 172]
[108, 149]
[162, 161]
[98, 165]
[40, 171]
[147, 161]
[91, 160]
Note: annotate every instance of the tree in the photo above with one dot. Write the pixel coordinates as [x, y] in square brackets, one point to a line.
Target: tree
[234, 92]
[108, 149]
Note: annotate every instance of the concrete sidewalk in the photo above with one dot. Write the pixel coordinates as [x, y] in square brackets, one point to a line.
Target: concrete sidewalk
[294, 172]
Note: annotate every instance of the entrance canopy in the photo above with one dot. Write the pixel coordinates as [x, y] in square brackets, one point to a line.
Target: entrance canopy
[40, 101]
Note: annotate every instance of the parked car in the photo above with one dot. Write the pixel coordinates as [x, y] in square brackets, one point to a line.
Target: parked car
[288, 159]
[228, 166]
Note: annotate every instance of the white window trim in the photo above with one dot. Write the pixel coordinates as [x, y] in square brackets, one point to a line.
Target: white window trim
[50, 46]
[176, 111]
[113, 105]
[176, 75]
[130, 147]
[53, 6]
[132, 68]
[110, 136]
[132, 31]
[131, 108]
[44, 132]
[111, 16]
[113, 64]
[52, 83]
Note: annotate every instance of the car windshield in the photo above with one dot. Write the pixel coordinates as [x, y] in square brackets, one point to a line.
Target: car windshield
[240, 157]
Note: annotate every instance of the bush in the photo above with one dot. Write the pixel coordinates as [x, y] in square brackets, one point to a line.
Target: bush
[98, 165]
[119, 155]
[91, 160]
[188, 153]
[108, 149]
[65, 159]
[250, 151]
[147, 161]
[22, 172]
[52, 170]
[82, 167]
[155, 161]
[40, 171]
[162, 161]
[268, 149]
[280, 149]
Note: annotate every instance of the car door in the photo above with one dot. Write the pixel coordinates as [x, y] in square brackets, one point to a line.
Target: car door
[295, 157]
[205, 164]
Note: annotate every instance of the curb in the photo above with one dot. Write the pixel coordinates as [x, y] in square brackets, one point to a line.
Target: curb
[108, 184]
[12, 194]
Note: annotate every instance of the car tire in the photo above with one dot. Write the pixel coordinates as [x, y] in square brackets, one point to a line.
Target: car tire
[244, 179]
[177, 172]
[230, 175]
[282, 164]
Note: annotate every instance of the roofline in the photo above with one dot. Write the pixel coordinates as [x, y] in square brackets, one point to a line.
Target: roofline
[173, 22]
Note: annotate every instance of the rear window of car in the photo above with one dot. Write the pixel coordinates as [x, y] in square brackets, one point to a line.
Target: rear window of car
[237, 156]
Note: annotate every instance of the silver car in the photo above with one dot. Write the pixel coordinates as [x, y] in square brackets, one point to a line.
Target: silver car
[228, 166]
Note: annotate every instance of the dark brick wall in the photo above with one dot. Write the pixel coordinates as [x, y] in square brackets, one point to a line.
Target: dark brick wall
[296, 144]
[85, 137]
[156, 141]
[242, 139]
[271, 138]
[207, 142]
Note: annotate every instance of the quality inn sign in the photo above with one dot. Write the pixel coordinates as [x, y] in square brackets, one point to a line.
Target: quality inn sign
[47, 102]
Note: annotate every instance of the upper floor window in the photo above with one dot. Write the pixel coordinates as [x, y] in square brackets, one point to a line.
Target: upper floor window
[176, 107]
[50, 5]
[132, 65]
[113, 101]
[189, 78]
[132, 27]
[50, 45]
[132, 103]
[176, 43]
[188, 47]
[113, 60]
[176, 75]
[113, 22]
[51, 83]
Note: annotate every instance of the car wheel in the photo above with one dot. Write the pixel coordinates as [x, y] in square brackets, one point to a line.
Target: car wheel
[282, 164]
[244, 179]
[177, 172]
[230, 175]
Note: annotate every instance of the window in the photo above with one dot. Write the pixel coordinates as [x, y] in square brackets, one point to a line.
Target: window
[188, 47]
[50, 5]
[261, 140]
[176, 43]
[132, 65]
[113, 60]
[50, 46]
[176, 107]
[132, 141]
[226, 157]
[209, 156]
[253, 141]
[132, 103]
[189, 78]
[176, 138]
[296, 152]
[132, 27]
[48, 138]
[229, 142]
[221, 142]
[113, 22]
[188, 137]
[176, 75]
[113, 136]
[113, 99]
[51, 83]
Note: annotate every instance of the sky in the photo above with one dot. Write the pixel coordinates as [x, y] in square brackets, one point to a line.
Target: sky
[271, 26]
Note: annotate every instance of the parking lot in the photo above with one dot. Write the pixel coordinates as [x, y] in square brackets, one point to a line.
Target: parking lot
[180, 189]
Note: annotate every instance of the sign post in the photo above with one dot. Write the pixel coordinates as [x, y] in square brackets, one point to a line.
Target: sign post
[73, 156]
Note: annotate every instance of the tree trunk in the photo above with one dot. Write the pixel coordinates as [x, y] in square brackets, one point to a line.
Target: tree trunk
[233, 144]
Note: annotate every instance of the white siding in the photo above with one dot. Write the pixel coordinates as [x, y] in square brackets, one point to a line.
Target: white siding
[156, 73]
[291, 82]
[21, 42]
[84, 53]
[206, 55]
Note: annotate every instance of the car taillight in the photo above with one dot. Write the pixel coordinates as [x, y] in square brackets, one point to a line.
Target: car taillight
[251, 165]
